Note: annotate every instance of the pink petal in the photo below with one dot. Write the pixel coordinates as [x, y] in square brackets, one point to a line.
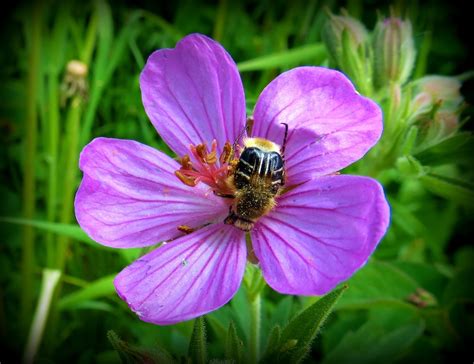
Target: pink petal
[130, 197]
[320, 233]
[186, 278]
[193, 94]
[330, 124]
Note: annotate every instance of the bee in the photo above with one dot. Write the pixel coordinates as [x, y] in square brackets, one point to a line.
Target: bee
[257, 179]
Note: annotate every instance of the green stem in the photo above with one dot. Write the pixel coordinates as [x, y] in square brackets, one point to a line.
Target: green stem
[70, 172]
[29, 183]
[255, 323]
[53, 136]
[50, 281]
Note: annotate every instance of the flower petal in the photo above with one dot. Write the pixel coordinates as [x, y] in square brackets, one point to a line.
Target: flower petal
[338, 125]
[320, 233]
[186, 278]
[193, 94]
[130, 197]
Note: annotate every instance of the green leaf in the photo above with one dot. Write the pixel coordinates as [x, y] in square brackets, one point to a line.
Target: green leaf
[131, 354]
[374, 343]
[100, 288]
[282, 311]
[378, 283]
[312, 52]
[272, 343]
[426, 275]
[197, 346]
[219, 320]
[405, 219]
[74, 232]
[69, 230]
[454, 149]
[460, 288]
[241, 311]
[453, 189]
[233, 345]
[298, 335]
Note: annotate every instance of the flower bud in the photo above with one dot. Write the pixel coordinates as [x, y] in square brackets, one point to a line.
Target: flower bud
[443, 90]
[446, 122]
[394, 51]
[332, 35]
[436, 105]
[346, 39]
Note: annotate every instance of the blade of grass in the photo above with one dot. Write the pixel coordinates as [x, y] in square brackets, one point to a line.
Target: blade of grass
[99, 288]
[50, 281]
[29, 163]
[70, 231]
[56, 45]
[313, 53]
[109, 53]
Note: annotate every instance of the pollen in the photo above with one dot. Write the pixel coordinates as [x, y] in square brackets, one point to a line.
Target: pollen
[206, 166]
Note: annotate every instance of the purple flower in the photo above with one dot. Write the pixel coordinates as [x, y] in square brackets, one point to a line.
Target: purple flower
[323, 228]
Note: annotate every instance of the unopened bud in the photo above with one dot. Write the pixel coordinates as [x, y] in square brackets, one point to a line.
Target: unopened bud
[333, 32]
[394, 51]
[446, 121]
[436, 106]
[346, 39]
[439, 89]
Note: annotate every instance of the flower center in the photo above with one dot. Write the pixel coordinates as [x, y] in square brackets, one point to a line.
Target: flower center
[205, 166]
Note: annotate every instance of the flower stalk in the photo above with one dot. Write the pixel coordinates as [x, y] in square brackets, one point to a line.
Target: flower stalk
[70, 172]
[255, 285]
[255, 325]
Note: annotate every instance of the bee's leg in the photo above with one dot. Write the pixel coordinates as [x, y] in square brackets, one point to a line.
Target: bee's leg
[231, 218]
[224, 195]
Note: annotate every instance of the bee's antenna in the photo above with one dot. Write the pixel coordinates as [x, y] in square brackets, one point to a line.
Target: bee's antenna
[284, 140]
[246, 130]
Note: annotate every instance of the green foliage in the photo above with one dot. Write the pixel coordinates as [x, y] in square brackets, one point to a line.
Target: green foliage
[197, 351]
[294, 342]
[102, 287]
[233, 345]
[130, 354]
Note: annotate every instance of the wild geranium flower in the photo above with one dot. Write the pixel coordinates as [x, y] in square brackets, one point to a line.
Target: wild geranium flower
[324, 225]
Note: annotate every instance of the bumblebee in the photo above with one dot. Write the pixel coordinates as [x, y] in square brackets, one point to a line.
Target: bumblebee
[257, 179]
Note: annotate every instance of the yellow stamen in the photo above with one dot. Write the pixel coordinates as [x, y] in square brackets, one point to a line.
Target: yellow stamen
[186, 162]
[226, 153]
[190, 181]
[211, 158]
